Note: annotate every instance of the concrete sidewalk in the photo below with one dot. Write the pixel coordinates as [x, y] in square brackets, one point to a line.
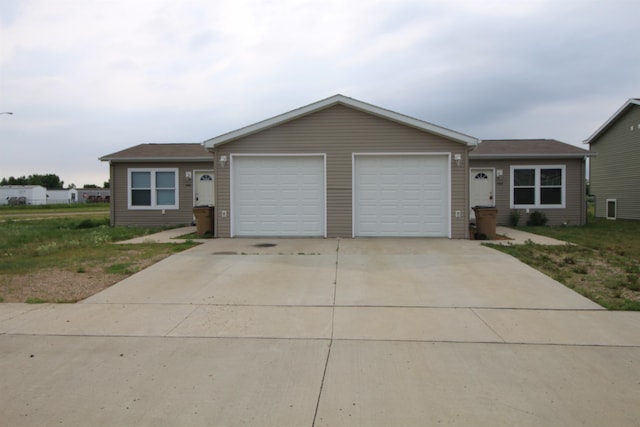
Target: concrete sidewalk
[324, 332]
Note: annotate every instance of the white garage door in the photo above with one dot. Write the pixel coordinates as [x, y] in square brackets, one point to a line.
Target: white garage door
[401, 195]
[278, 196]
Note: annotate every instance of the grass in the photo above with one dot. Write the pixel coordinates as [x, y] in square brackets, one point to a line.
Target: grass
[603, 262]
[68, 258]
[6, 210]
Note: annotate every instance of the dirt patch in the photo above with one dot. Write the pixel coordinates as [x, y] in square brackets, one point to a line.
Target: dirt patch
[64, 286]
[55, 286]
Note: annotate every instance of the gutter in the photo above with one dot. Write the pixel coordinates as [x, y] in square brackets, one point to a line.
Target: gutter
[529, 156]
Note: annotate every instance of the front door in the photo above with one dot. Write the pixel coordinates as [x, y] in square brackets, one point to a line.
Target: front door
[481, 188]
[203, 188]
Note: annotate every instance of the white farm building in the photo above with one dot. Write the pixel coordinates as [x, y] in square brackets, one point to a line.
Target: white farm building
[23, 195]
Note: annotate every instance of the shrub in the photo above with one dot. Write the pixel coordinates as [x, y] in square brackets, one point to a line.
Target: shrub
[514, 218]
[537, 218]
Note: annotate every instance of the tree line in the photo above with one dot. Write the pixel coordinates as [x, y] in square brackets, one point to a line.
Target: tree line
[49, 181]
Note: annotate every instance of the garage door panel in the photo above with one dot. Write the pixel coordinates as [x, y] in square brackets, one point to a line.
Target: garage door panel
[401, 195]
[278, 195]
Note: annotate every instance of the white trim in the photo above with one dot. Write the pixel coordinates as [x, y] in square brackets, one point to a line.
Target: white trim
[612, 119]
[430, 154]
[537, 187]
[154, 206]
[530, 156]
[193, 183]
[334, 100]
[231, 216]
[493, 190]
[606, 209]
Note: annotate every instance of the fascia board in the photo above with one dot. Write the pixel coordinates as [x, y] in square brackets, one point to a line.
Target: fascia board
[611, 120]
[529, 156]
[155, 159]
[329, 102]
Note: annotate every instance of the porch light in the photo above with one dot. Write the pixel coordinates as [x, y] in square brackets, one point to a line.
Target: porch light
[223, 161]
[457, 158]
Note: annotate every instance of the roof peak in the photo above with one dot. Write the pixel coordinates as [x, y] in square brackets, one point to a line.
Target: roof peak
[330, 102]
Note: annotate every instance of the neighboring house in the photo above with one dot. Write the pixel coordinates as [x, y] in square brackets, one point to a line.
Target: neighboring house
[342, 168]
[530, 175]
[614, 172]
[60, 197]
[159, 184]
[23, 195]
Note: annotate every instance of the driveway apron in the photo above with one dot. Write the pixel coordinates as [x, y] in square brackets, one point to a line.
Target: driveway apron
[324, 332]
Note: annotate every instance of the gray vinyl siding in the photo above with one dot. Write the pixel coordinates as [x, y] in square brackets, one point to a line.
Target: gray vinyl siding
[574, 212]
[338, 132]
[614, 171]
[122, 216]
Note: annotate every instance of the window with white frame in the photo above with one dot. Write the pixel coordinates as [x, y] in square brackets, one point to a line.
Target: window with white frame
[538, 186]
[153, 188]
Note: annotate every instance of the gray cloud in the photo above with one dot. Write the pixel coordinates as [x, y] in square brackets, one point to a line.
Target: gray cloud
[91, 78]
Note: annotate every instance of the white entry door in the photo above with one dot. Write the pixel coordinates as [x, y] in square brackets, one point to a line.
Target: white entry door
[481, 188]
[401, 195]
[204, 190]
[281, 195]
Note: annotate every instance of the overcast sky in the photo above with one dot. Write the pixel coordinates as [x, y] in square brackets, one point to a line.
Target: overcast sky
[85, 78]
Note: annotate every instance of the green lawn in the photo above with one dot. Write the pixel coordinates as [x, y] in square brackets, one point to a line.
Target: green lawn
[68, 258]
[6, 210]
[603, 263]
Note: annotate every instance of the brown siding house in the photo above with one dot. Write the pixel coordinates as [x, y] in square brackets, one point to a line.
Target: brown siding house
[342, 168]
[614, 171]
[528, 175]
[159, 184]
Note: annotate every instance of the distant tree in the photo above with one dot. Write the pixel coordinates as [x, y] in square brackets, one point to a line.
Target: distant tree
[106, 184]
[49, 181]
[15, 181]
[90, 186]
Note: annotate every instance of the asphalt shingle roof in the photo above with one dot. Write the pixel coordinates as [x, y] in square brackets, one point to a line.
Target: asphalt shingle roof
[526, 148]
[161, 152]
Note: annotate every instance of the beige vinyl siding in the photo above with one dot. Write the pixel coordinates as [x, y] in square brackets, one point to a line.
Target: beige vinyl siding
[614, 171]
[122, 216]
[574, 212]
[338, 132]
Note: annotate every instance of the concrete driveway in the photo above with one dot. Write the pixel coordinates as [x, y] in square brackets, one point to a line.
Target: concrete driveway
[324, 332]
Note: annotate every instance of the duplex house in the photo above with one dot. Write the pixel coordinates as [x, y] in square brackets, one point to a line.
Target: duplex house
[343, 168]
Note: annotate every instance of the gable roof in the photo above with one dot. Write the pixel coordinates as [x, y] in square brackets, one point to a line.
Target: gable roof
[526, 148]
[627, 105]
[160, 153]
[346, 101]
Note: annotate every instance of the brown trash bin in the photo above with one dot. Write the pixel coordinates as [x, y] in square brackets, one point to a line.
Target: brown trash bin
[485, 222]
[205, 216]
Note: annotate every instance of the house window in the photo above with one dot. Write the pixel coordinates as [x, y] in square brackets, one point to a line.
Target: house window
[538, 186]
[153, 189]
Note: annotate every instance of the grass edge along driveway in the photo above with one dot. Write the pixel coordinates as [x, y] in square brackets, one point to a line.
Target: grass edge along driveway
[69, 258]
[601, 262]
